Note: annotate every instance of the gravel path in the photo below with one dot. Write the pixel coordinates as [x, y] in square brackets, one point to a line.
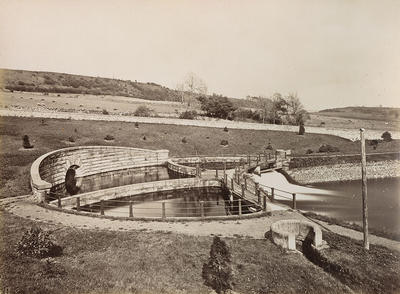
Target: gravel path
[352, 134]
[253, 228]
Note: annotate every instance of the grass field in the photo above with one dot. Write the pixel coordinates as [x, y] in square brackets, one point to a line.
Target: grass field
[95, 261]
[53, 134]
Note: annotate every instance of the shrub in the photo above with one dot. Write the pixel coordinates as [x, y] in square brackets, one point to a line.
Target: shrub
[37, 243]
[374, 143]
[105, 112]
[386, 136]
[143, 110]
[328, 148]
[302, 130]
[225, 129]
[189, 114]
[224, 142]
[217, 272]
[136, 125]
[71, 139]
[25, 142]
[144, 138]
[109, 138]
[184, 141]
[269, 146]
[309, 151]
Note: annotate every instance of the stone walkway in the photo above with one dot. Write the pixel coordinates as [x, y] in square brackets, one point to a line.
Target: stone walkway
[351, 134]
[251, 228]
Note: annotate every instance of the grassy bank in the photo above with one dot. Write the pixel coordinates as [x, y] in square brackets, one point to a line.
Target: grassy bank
[52, 134]
[143, 262]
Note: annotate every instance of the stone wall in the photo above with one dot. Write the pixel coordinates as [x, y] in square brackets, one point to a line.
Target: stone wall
[50, 169]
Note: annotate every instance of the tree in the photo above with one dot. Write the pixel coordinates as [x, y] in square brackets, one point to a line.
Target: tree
[296, 114]
[386, 136]
[264, 106]
[302, 130]
[216, 106]
[278, 108]
[191, 87]
[217, 272]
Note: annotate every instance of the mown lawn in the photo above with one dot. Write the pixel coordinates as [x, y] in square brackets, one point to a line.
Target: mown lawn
[54, 134]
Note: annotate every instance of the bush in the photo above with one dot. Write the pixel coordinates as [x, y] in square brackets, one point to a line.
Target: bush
[37, 243]
[386, 136]
[25, 142]
[144, 138]
[136, 125]
[328, 148]
[105, 111]
[309, 151]
[71, 139]
[216, 106]
[189, 114]
[184, 141]
[374, 143]
[224, 142]
[217, 272]
[143, 110]
[225, 129]
[109, 138]
[302, 130]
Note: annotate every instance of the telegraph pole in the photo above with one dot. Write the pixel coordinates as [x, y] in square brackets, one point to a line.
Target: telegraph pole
[364, 189]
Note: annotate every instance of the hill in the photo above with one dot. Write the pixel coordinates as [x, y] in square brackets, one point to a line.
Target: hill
[362, 112]
[52, 82]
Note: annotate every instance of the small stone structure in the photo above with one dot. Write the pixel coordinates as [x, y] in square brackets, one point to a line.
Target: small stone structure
[284, 233]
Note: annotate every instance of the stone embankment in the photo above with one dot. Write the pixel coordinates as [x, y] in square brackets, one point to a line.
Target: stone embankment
[351, 134]
[345, 172]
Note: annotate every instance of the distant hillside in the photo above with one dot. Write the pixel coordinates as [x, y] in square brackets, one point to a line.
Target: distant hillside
[51, 82]
[361, 112]
[35, 81]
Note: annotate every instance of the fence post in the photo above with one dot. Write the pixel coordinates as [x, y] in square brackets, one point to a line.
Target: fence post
[258, 193]
[216, 173]
[202, 209]
[294, 201]
[248, 158]
[225, 167]
[272, 194]
[59, 201]
[243, 193]
[240, 207]
[163, 210]
[232, 184]
[78, 204]
[198, 170]
[130, 209]
[245, 183]
[101, 207]
[264, 202]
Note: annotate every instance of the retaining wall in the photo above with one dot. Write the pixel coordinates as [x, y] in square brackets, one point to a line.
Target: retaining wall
[50, 169]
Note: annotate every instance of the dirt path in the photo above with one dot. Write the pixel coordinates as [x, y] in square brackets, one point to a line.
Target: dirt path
[352, 134]
[252, 228]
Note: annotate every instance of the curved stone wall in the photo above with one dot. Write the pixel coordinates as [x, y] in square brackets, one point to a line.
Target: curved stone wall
[50, 169]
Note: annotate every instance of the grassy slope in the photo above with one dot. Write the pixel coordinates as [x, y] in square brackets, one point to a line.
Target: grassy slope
[360, 112]
[14, 176]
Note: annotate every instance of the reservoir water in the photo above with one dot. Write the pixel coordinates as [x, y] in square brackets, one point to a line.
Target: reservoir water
[342, 200]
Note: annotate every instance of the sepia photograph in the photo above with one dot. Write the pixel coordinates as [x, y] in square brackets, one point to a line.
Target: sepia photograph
[189, 147]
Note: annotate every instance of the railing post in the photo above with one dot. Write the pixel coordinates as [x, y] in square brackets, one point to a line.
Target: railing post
[78, 204]
[258, 193]
[59, 201]
[240, 207]
[202, 209]
[243, 192]
[216, 173]
[265, 202]
[130, 209]
[225, 167]
[232, 184]
[101, 207]
[163, 216]
[248, 159]
[245, 183]
[294, 201]
[198, 170]
[272, 194]
[226, 179]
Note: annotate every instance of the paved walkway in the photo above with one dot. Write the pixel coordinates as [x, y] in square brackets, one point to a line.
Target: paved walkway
[252, 228]
[352, 134]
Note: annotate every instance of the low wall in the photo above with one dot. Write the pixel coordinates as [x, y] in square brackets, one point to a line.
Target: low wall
[317, 160]
[285, 232]
[50, 169]
[135, 189]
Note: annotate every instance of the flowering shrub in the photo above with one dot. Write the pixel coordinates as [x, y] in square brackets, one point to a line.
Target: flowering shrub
[36, 243]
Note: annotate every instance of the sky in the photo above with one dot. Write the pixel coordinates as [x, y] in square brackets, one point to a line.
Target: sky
[332, 53]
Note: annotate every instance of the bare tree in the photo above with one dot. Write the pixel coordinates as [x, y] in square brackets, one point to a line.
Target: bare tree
[296, 114]
[191, 87]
